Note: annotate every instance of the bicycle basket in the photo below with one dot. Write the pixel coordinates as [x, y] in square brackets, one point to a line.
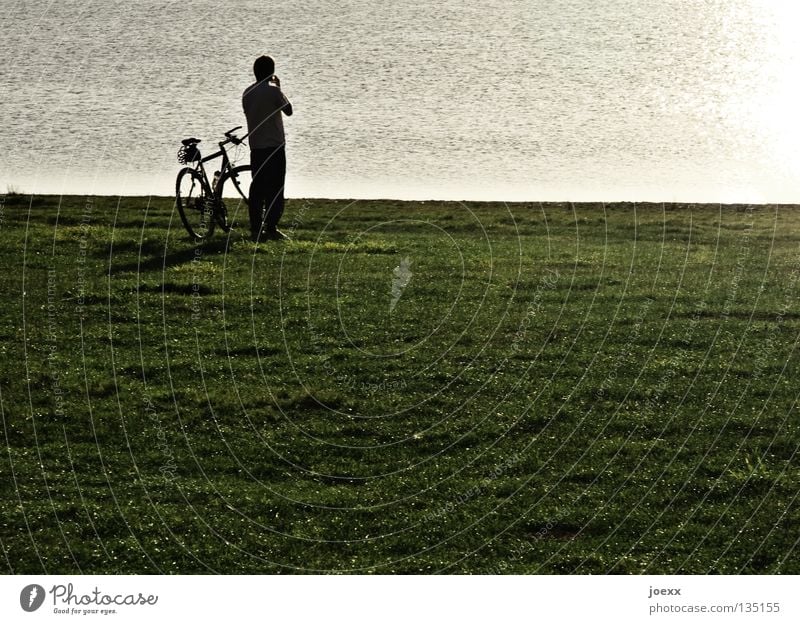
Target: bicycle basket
[188, 154]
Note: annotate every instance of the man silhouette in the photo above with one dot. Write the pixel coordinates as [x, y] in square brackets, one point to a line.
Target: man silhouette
[263, 103]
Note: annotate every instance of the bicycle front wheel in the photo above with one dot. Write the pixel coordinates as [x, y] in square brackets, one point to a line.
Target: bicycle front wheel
[233, 192]
[195, 204]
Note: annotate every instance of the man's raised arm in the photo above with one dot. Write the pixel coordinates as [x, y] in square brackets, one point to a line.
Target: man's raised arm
[287, 105]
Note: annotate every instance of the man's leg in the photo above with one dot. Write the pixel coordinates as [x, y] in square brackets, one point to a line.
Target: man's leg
[259, 188]
[277, 179]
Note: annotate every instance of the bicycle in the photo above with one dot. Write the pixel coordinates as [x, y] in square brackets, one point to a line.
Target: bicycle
[199, 201]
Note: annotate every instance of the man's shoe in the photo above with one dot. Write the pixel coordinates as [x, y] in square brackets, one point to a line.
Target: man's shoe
[277, 235]
[259, 237]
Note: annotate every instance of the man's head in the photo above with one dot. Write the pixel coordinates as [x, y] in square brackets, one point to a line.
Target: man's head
[264, 67]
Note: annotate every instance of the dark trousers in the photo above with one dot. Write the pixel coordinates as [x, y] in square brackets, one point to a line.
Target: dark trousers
[266, 188]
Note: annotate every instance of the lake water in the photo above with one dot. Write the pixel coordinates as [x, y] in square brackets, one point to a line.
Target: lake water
[504, 99]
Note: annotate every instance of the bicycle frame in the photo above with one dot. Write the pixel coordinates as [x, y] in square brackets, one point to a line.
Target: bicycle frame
[226, 163]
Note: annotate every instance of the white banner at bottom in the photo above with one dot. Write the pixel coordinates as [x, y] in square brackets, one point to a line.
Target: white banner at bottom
[390, 599]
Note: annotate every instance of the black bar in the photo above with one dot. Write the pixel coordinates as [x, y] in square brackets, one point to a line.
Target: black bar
[212, 157]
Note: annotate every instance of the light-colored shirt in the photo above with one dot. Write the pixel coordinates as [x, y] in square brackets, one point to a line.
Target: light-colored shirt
[263, 103]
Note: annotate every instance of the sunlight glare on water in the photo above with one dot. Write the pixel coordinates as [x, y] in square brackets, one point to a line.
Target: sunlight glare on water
[774, 108]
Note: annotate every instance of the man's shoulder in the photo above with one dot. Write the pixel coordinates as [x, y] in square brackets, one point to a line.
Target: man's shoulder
[253, 87]
[262, 89]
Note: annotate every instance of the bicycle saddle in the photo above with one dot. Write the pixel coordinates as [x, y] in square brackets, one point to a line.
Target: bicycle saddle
[190, 141]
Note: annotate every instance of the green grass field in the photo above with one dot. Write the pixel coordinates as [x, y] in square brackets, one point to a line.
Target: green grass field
[404, 387]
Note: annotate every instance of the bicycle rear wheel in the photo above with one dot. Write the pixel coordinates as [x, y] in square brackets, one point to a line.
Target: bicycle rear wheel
[195, 204]
[233, 191]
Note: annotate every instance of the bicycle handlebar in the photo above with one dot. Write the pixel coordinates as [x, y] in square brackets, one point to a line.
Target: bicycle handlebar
[233, 139]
